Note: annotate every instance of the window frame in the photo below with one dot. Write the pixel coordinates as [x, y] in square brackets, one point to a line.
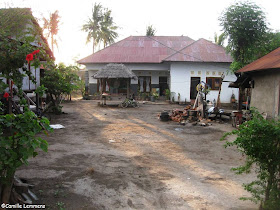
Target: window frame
[144, 84]
[212, 85]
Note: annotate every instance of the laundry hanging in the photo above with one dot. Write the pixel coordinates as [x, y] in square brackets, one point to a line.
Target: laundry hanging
[148, 84]
[107, 86]
[141, 79]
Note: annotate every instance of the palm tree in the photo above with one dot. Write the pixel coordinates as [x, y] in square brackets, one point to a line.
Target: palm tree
[108, 32]
[150, 31]
[100, 27]
[51, 26]
[219, 40]
[93, 25]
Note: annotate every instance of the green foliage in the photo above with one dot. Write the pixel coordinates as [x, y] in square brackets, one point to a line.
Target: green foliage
[167, 94]
[155, 94]
[244, 24]
[41, 90]
[259, 140]
[59, 80]
[60, 205]
[81, 87]
[18, 141]
[150, 31]
[219, 40]
[13, 56]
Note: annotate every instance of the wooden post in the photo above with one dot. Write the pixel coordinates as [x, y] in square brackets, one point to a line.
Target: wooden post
[240, 98]
[128, 87]
[37, 102]
[103, 86]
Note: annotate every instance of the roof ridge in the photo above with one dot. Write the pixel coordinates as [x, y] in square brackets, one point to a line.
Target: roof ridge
[179, 50]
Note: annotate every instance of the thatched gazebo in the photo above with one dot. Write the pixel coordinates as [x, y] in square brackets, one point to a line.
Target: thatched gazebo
[115, 76]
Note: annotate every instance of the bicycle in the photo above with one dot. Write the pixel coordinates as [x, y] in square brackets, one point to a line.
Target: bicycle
[129, 102]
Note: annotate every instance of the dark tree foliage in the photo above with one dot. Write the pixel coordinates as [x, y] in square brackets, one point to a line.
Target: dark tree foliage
[245, 26]
[150, 31]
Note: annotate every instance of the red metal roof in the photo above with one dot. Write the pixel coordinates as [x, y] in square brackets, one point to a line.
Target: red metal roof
[269, 61]
[139, 49]
[156, 49]
[201, 51]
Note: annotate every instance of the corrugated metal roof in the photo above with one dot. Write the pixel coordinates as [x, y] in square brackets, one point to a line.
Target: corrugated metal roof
[201, 51]
[269, 61]
[139, 49]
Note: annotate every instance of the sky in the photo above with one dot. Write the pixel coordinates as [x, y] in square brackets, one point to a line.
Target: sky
[193, 18]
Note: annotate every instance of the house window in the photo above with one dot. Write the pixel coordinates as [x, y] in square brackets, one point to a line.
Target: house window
[144, 84]
[214, 82]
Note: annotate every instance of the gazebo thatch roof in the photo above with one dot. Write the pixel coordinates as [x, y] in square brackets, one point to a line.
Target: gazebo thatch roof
[114, 70]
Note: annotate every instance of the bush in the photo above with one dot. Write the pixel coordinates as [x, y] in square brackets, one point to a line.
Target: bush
[259, 140]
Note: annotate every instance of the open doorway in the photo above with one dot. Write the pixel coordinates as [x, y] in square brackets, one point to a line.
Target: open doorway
[194, 82]
[163, 85]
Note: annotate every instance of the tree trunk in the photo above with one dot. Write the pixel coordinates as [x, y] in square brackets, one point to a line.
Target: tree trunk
[93, 46]
[7, 189]
[240, 99]
[269, 184]
[52, 42]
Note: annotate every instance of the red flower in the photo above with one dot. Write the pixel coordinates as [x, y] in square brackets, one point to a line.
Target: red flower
[29, 57]
[6, 95]
[35, 52]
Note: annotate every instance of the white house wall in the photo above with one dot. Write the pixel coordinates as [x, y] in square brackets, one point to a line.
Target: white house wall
[153, 70]
[181, 73]
[25, 82]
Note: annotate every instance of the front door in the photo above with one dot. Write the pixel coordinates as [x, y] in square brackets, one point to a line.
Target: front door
[162, 85]
[194, 82]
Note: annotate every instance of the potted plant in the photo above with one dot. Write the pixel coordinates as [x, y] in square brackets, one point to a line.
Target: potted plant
[167, 94]
[154, 96]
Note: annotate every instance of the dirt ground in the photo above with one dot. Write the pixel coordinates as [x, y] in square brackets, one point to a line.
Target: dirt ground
[114, 158]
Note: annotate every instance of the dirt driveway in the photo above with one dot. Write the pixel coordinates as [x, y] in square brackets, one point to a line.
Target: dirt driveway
[113, 158]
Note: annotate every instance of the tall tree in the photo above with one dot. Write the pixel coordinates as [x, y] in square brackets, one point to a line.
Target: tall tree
[150, 31]
[51, 25]
[245, 26]
[108, 32]
[100, 27]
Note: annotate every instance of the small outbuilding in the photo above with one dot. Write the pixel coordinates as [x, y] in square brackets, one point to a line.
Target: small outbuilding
[263, 76]
[114, 79]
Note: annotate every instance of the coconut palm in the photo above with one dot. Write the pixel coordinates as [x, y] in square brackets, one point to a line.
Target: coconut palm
[100, 27]
[108, 32]
[52, 27]
[93, 25]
